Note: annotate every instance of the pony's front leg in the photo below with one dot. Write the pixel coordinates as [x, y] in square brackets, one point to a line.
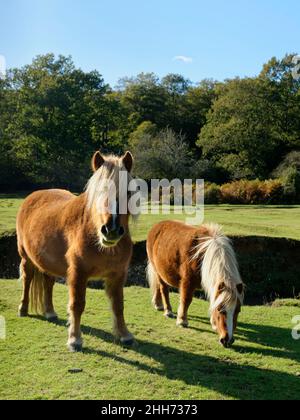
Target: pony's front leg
[115, 292]
[77, 294]
[186, 297]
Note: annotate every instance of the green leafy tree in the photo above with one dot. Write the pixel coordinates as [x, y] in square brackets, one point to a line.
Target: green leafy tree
[61, 116]
[164, 155]
[285, 96]
[198, 102]
[146, 130]
[144, 100]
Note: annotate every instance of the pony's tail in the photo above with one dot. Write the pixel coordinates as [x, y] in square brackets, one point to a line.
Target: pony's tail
[153, 280]
[37, 293]
[219, 270]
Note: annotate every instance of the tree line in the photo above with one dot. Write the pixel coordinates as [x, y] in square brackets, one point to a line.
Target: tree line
[53, 116]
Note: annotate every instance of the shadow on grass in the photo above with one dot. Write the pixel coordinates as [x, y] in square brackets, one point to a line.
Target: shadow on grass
[278, 340]
[226, 377]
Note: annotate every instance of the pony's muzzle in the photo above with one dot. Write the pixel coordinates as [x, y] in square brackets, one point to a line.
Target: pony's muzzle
[112, 235]
[227, 342]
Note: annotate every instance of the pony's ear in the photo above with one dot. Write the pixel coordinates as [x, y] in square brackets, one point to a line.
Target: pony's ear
[128, 161]
[240, 288]
[97, 161]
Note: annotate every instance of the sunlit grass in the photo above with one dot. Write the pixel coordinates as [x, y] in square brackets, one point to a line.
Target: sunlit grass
[166, 362]
[274, 221]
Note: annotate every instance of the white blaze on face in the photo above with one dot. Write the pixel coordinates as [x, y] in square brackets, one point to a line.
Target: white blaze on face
[114, 221]
[229, 321]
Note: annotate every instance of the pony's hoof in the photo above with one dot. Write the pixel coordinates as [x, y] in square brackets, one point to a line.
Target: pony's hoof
[169, 314]
[158, 308]
[182, 324]
[127, 341]
[51, 317]
[75, 348]
[75, 345]
[23, 313]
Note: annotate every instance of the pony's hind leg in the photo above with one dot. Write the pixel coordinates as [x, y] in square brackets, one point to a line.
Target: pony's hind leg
[26, 276]
[186, 297]
[165, 295]
[50, 313]
[157, 300]
[154, 283]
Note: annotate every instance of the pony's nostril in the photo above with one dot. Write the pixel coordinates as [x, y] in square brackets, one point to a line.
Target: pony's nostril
[121, 231]
[224, 341]
[104, 230]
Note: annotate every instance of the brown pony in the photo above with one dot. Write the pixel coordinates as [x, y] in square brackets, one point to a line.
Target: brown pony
[187, 258]
[76, 237]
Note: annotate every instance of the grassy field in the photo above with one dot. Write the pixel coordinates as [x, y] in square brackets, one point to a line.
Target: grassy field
[9, 205]
[275, 221]
[165, 363]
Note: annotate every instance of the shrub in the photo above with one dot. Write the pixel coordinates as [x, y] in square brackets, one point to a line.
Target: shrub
[212, 194]
[253, 192]
[292, 160]
[289, 172]
[291, 183]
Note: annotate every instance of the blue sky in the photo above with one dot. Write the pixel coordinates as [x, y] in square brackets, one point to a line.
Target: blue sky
[220, 39]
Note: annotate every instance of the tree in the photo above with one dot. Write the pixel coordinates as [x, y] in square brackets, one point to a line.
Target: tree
[198, 102]
[245, 133]
[144, 100]
[10, 175]
[289, 172]
[175, 84]
[61, 116]
[146, 130]
[285, 95]
[165, 155]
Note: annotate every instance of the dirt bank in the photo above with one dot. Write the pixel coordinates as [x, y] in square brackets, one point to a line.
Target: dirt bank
[270, 267]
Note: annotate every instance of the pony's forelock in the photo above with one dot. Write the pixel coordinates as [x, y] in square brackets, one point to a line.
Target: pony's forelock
[109, 172]
[219, 269]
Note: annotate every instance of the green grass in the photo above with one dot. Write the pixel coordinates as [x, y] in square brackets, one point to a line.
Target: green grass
[9, 205]
[274, 221]
[166, 363]
[271, 221]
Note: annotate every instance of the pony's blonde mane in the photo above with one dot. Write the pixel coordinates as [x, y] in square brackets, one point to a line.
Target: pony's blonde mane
[219, 267]
[96, 188]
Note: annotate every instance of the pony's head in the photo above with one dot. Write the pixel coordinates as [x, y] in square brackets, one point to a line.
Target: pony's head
[225, 311]
[108, 196]
[221, 281]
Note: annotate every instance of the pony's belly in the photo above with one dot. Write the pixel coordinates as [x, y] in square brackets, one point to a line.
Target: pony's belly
[171, 278]
[49, 258]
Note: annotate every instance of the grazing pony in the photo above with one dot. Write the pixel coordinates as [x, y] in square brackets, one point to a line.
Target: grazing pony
[189, 258]
[77, 237]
